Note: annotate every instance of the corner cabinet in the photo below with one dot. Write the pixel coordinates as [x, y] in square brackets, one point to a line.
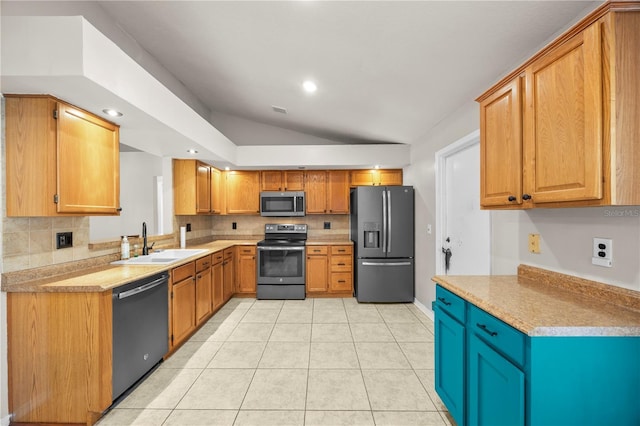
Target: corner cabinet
[562, 130]
[488, 373]
[196, 188]
[60, 160]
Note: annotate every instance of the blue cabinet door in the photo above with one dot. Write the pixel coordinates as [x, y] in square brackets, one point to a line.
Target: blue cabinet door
[449, 360]
[496, 387]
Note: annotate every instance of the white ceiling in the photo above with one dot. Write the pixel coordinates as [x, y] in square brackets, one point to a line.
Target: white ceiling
[387, 71]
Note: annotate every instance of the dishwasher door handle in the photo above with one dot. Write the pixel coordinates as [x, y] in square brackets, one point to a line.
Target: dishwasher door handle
[143, 288]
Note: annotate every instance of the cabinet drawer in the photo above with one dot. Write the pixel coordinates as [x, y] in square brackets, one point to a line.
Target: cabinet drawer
[247, 250]
[450, 303]
[341, 263]
[341, 281]
[341, 250]
[502, 337]
[228, 253]
[217, 257]
[203, 263]
[183, 272]
[313, 250]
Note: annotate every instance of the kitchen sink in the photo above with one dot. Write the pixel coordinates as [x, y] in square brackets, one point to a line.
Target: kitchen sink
[165, 257]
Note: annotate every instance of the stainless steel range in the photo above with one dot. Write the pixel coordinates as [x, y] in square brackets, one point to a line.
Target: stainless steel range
[281, 262]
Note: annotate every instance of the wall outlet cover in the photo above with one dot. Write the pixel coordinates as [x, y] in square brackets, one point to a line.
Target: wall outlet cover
[327, 225]
[188, 227]
[234, 225]
[64, 240]
[534, 243]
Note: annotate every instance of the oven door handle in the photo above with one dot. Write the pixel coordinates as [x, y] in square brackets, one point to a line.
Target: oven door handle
[282, 248]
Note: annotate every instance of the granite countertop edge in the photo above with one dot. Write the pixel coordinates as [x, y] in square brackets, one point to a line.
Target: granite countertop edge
[107, 276]
[550, 319]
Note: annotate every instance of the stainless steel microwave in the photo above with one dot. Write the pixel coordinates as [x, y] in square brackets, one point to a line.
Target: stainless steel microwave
[283, 204]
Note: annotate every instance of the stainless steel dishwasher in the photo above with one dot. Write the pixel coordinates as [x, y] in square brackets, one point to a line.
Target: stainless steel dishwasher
[140, 329]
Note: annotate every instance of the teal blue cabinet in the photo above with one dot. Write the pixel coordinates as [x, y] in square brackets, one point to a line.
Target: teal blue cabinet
[449, 362]
[496, 387]
[488, 373]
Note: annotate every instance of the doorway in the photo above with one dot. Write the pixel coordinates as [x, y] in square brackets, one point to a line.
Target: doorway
[461, 226]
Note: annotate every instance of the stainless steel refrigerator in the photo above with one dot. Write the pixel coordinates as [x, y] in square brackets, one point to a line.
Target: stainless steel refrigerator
[382, 224]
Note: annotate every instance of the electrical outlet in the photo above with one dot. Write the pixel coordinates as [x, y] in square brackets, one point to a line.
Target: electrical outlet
[64, 240]
[534, 243]
[234, 225]
[602, 252]
[188, 227]
[327, 225]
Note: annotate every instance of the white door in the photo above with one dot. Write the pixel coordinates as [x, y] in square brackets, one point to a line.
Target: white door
[462, 227]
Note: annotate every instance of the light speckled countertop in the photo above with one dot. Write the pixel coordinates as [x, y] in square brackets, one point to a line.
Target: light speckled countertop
[106, 277]
[539, 307]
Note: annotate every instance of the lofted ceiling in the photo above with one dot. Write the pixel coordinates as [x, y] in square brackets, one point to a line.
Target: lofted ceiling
[387, 71]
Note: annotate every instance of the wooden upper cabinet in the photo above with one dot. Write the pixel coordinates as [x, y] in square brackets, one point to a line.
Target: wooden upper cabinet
[338, 192]
[501, 147]
[316, 191]
[60, 159]
[203, 188]
[578, 116]
[376, 177]
[282, 180]
[216, 191]
[563, 121]
[243, 192]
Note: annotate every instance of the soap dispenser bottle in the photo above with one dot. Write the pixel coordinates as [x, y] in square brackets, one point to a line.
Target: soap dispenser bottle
[124, 248]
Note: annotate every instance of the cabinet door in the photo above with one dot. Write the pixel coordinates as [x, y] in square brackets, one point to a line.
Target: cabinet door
[563, 122]
[183, 308]
[390, 177]
[88, 163]
[229, 274]
[216, 195]
[293, 180]
[338, 192]
[246, 276]
[271, 180]
[203, 188]
[217, 278]
[363, 177]
[316, 191]
[243, 192]
[496, 387]
[204, 295]
[449, 363]
[501, 147]
[317, 273]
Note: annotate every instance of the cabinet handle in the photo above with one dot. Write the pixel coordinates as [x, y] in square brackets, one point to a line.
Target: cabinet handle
[526, 196]
[512, 198]
[341, 264]
[199, 276]
[341, 281]
[341, 250]
[443, 300]
[119, 209]
[484, 328]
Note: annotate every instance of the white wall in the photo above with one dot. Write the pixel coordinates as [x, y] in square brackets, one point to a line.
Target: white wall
[421, 174]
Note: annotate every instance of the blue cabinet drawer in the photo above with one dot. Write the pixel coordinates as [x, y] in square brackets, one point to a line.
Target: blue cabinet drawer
[450, 303]
[502, 337]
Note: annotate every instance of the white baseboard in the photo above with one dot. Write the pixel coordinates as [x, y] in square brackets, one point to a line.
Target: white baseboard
[428, 312]
[6, 420]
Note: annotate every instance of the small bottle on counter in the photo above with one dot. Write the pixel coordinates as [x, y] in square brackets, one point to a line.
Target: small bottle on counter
[135, 251]
[124, 248]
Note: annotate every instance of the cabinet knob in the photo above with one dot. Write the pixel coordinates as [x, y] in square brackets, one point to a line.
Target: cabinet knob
[512, 198]
[526, 196]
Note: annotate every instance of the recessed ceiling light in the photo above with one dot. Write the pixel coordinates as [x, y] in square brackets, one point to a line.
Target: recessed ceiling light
[192, 151]
[309, 86]
[227, 168]
[112, 112]
[376, 166]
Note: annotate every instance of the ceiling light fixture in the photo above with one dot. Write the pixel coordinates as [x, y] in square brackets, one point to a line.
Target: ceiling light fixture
[376, 167]
[112, 112]
[192, 151]
[227, 168]
[309, 86]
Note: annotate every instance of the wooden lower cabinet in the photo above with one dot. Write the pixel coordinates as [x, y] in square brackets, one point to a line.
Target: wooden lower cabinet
[204, 290]
[59, 356]
[183, 303]
[228, 271]
[246, 270]
[217, 278]
[329, 270]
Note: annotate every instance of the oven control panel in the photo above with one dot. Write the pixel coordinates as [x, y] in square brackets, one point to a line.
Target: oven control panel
[280, 228]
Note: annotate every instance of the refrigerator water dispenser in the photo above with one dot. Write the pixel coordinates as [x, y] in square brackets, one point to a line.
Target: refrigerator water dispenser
[371, 235]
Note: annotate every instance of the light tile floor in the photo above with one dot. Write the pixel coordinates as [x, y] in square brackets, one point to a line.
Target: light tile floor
[309, 362]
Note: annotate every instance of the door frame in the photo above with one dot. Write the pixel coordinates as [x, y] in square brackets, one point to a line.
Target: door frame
[440, 161]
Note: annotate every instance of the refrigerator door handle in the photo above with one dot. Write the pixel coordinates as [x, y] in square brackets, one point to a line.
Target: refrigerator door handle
[386, 264]
[389, 230]
[384, 221]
